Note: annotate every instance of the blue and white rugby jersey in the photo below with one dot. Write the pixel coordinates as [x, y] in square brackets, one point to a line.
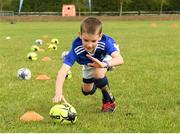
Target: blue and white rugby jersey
[77, 53]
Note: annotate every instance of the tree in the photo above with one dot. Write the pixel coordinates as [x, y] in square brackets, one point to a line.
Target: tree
[161, 4]
[105, 5]
[97, 5]
[165, 4]
[121, 2]
[81, 6]
[4, 3]
[174, 5]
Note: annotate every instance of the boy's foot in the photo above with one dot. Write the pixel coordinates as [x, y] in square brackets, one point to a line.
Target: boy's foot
[109, 106]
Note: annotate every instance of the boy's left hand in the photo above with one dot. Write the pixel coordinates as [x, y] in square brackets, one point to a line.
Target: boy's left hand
[96, 63]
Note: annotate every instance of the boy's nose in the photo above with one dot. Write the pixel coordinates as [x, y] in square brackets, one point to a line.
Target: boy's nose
[89, 45]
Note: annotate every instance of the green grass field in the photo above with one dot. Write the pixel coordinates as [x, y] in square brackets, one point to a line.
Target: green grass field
[146, 87]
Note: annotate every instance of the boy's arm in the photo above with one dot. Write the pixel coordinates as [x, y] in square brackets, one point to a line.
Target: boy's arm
[116, 60]
[59, 83]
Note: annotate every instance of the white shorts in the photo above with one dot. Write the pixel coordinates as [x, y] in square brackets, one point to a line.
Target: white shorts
[88, 72]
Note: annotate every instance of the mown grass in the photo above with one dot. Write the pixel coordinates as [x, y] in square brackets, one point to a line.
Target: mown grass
[146, 87]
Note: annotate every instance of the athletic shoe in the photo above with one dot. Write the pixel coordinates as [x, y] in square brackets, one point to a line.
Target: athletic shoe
[109, 106]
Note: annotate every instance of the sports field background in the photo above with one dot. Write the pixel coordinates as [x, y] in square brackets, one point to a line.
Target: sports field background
[146, 87]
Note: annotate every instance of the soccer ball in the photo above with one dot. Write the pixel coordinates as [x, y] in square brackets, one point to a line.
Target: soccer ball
[55, 41]
[38, 42]
[52, 47]
[69, 75]
[63, 113]
[32, 56]
[64, 53]
[34, 48]
[24, 74]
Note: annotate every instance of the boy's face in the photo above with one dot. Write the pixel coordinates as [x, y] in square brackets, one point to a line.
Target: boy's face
[90, 41]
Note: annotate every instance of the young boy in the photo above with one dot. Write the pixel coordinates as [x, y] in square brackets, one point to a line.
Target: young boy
[90, 49]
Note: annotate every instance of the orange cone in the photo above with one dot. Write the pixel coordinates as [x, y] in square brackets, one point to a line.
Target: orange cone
[41, 50]
[31, 116]
[42, 77]
[153, 25]
[174, 26]
[46, 37]
[46, 58]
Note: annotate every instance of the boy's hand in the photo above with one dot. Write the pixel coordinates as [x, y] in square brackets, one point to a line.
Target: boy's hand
[96, 63]
[59, 98]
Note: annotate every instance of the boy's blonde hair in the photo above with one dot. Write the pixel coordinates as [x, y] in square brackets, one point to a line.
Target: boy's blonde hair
[91, 25]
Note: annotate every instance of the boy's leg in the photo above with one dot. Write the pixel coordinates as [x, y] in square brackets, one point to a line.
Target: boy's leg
[101, 82]
[94, 78]
[88, 87]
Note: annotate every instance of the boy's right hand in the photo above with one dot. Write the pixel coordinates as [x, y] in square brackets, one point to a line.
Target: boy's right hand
[59, 98]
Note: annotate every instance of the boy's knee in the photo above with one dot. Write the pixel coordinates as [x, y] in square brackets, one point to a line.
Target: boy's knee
[89, 92]
[100, 83]
[93, 90]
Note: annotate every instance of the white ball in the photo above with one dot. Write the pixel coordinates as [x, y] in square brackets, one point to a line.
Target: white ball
[8, 38]
[38, 42]
[64, 53]
[24, 74]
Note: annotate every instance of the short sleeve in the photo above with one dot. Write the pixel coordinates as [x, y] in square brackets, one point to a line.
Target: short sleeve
[111, 46]
[70, 58]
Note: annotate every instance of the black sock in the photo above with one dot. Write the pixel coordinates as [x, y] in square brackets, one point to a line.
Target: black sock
[102, 83]
[107, 95]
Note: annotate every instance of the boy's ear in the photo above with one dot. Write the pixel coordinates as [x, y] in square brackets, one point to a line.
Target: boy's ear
[100, 36]
[79, 33]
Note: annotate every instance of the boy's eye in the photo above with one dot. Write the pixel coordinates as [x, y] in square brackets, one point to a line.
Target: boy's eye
[93, 41]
